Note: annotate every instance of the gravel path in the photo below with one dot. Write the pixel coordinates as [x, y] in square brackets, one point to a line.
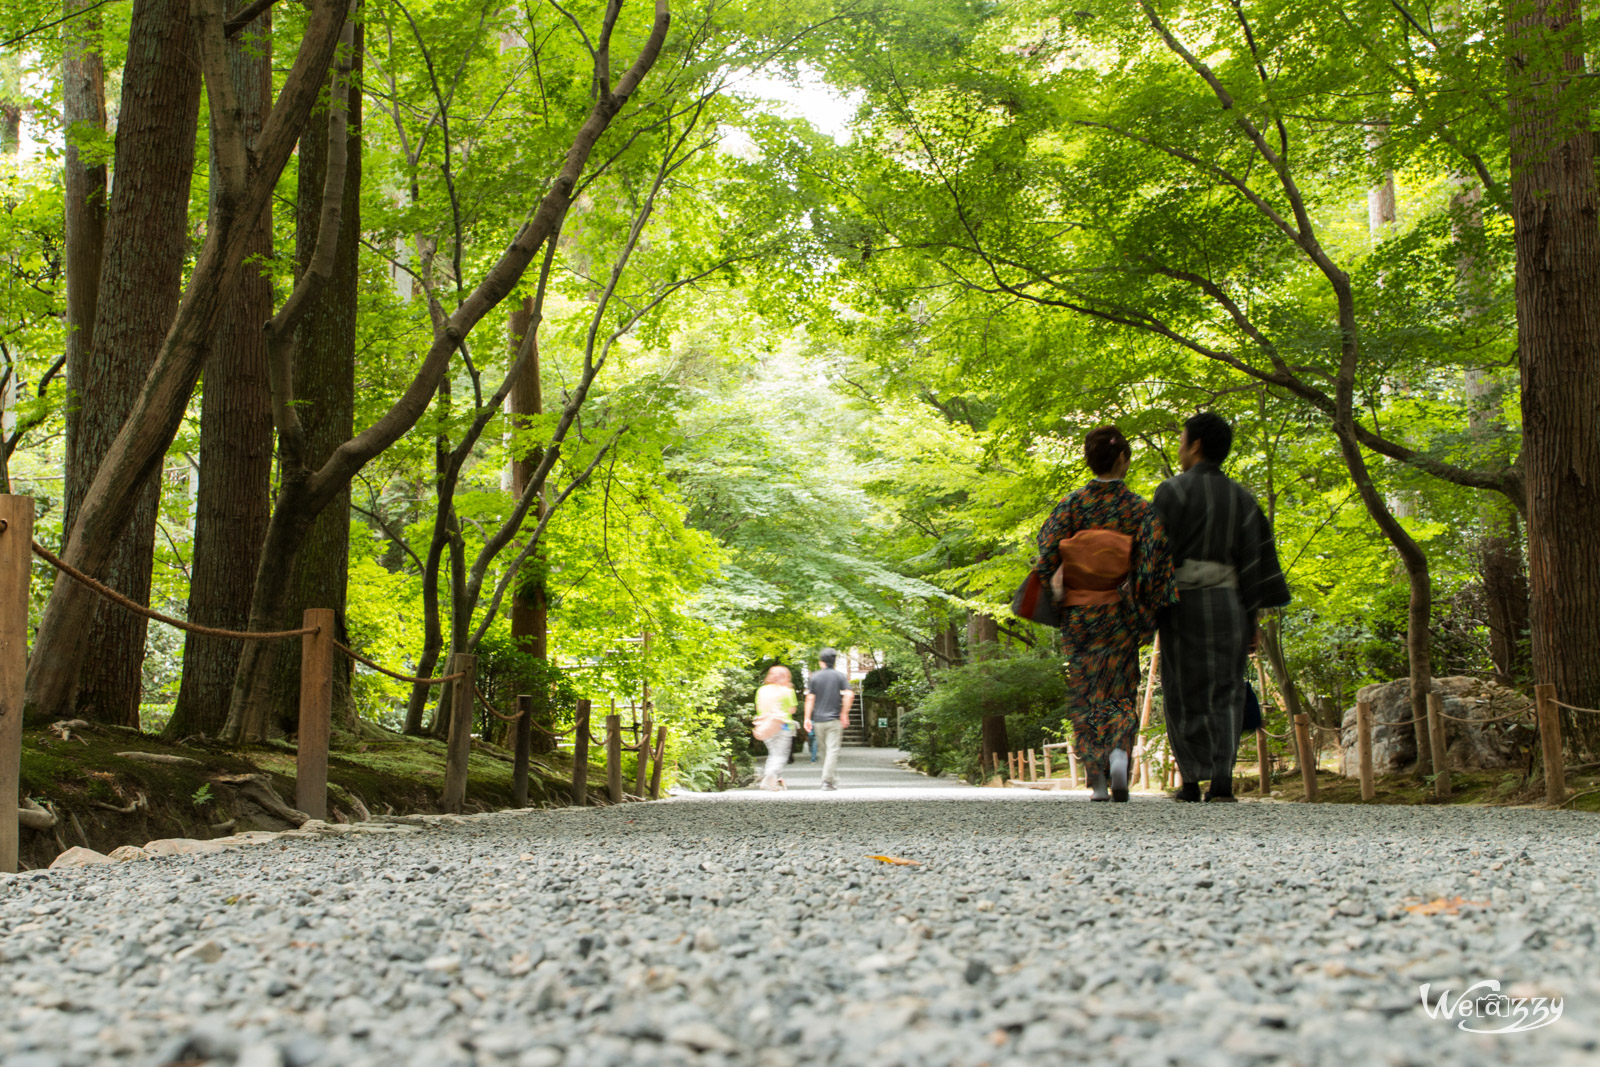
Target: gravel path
[755, 929]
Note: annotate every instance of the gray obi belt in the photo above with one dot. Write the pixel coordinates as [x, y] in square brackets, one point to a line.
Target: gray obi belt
[1205, 574]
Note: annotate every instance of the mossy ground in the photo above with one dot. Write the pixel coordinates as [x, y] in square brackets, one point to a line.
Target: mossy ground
[83, 778]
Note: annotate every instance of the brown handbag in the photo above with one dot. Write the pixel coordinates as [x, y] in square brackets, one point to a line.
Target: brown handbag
[1094, 564]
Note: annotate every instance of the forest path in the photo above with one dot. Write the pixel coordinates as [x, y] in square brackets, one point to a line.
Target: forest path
[746, 930]
[864, 773]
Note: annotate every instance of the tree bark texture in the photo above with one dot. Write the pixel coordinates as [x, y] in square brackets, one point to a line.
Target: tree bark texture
[141, 280]
[234, 498]
[983, 638]
[305, 493]
[1554, 212]
[162, 401]
[325, 390]
[529, 609]
[83, 112]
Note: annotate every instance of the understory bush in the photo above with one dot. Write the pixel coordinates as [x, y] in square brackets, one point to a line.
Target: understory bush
[943, 731]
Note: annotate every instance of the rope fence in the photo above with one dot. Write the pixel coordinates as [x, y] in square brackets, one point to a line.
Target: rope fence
[490, 708]
[396, 675]
[139, 609]
[317, 658]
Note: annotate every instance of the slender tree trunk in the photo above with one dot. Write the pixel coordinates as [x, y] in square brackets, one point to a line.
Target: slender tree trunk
[529, 611]
[324, 385]
[146, 242]
[983, 638]
[1554, 206]
[10, 103]
[83, 111]
[234, 497]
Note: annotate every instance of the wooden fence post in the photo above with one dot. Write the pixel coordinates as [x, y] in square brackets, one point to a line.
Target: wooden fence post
[519, 754]
[643, 777]
[655, 767]
[1033, 765]
[580, 755]
[1072, 766]
[1555, 771]
[460, 742]
[1308, 766]
[614, 757]
[1436, 743]
[1364, 748]
[1264, 762]
[16, 563]
[1048, 774]
[316, 713]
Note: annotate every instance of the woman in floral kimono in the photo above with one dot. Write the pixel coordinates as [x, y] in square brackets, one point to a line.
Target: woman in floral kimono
[1105, 554]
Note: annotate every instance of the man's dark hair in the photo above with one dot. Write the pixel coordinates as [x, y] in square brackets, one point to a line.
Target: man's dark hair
[827, 656]
[1103, 447]
[1213, 433]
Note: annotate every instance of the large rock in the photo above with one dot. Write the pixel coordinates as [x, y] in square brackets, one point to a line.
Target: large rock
[1471, 745]
[78, 856]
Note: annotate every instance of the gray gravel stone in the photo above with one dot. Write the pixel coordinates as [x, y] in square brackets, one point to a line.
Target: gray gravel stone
[754, 929]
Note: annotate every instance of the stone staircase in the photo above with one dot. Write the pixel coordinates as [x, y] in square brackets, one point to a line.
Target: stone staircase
[856, 733]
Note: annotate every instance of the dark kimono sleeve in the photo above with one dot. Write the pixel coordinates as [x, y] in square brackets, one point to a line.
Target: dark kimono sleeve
[1261, 580]
[1057, 526]
[1152, 587]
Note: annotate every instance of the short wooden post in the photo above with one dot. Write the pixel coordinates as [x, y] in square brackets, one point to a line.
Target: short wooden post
[614, 757]
[1308, 764]
[1145, 711]
[1048, 774]
[1364, 748]
[1264, 762]
[1072, 766]
[655, 767]
[459, 746]
[519, 754]
[1436, 743]
[1555, 770]
[316, 713]
[1033, 765]
[16, 563]
[580, 755]
[643, 777]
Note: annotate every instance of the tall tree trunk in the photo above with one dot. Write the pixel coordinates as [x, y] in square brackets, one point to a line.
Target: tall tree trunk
[1554, 211]
[147, 240]
[83, 111]
[529, 610]
[324, 385]
[234, 497]
[162, 400]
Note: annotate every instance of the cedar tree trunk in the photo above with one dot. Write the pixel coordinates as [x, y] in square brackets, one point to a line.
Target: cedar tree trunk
[83, 112]
[141, 280]
[234, 498]
[1554, 212]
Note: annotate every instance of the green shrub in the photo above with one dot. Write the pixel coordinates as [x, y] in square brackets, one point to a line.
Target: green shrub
[943, 731]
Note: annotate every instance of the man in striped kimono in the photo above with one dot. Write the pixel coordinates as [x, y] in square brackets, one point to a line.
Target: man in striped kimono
[1225, 571]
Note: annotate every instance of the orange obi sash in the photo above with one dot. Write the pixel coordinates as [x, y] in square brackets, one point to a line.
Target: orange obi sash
[1094, 563]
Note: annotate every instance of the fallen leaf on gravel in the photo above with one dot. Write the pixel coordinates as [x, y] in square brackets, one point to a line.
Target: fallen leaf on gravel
[897, 861]
[1445, 906]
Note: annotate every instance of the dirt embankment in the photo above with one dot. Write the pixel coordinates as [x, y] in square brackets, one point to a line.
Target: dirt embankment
[109, 787]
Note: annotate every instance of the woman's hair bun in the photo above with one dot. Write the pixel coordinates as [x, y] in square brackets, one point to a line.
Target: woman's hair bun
[1103, 447]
